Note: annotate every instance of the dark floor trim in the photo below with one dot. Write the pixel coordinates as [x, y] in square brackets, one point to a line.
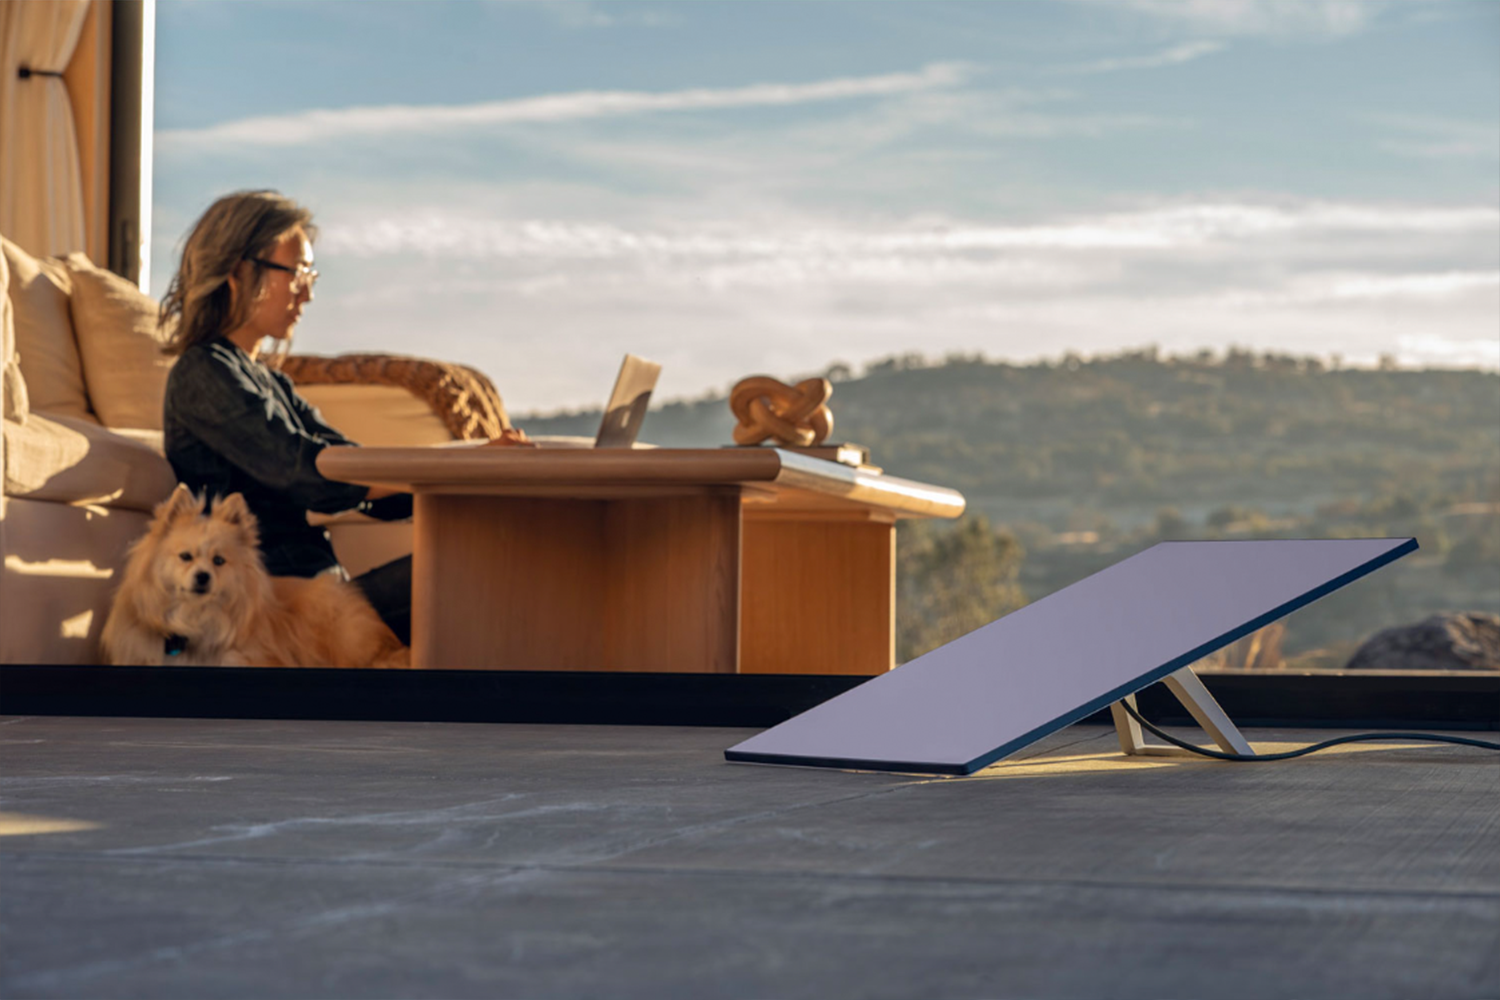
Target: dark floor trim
[415, 695]
[1433, 701]
[1344, 701]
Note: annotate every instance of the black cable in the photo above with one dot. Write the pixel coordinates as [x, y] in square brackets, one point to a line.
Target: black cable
[1356, 738]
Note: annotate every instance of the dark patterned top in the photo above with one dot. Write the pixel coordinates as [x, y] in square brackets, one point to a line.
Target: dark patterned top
[233, 425]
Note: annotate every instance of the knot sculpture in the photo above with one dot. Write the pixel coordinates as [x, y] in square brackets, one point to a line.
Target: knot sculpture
[789, 415]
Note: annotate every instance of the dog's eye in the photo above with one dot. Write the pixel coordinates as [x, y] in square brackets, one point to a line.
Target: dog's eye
[185, 556]
[218, 560]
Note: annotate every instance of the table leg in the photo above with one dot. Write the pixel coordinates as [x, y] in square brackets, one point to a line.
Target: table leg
[818, 595]
[519, 583]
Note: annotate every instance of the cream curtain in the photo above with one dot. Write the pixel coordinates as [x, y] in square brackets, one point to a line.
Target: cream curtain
[41, 184]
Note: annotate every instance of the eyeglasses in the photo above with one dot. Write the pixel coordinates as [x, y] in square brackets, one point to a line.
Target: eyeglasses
[302, 275]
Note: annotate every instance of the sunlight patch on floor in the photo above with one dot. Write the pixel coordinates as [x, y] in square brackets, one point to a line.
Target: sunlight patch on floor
[26, 825]
[1114, 761]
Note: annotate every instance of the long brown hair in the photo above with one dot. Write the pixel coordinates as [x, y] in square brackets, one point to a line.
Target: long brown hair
[235, 228]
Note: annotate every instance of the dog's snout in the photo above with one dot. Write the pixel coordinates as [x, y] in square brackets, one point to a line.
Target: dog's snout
[201, 580]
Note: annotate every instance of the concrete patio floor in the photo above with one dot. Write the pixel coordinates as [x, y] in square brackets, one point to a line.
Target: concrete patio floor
[202, 858]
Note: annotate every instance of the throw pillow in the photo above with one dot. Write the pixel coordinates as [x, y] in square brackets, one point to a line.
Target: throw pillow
[13, 388]
[123, 365]
[47, 354]
[17, 401]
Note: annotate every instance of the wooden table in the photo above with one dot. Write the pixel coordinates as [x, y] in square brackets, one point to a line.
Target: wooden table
[724, 560]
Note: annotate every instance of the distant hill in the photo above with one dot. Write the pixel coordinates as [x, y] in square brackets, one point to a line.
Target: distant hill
[1086, 460]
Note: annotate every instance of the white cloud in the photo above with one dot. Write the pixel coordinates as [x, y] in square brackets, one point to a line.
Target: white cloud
[560, 348]
[1432, 349]
[893, 147]
[1436, 285]
[1333, 287]
[547, 304]
[324, 125]
[1259, 17]
[1175, 56]
[578, 14]
[458, 234]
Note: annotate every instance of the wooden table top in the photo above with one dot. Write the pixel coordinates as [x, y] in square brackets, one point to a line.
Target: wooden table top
[765, 475]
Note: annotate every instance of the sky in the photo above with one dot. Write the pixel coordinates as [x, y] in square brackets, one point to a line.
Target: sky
[772, 187]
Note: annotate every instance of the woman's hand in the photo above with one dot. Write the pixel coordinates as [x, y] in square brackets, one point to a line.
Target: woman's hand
[512, 437]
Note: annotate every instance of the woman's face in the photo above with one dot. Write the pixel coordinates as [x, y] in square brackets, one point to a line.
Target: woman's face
[284, 293]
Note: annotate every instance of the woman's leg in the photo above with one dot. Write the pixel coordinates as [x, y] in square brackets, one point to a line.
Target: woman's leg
[388, 589]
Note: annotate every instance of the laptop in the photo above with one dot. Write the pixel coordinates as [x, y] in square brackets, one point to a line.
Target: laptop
[626, 409]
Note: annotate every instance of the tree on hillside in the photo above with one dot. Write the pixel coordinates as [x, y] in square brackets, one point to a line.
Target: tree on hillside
[952, 579]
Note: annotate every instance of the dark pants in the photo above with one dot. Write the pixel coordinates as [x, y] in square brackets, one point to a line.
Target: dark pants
[388, 589]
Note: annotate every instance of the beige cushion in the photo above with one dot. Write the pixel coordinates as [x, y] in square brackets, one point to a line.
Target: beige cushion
[377, 415]
[123, 366]
[12, 385]
[49, 360]
[62, 565]
[77, 461]
[17, 402]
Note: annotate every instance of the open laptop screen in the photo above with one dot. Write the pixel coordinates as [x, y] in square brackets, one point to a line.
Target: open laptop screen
[626, 409]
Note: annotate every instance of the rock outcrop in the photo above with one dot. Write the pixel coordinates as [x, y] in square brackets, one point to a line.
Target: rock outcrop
[1455, 640]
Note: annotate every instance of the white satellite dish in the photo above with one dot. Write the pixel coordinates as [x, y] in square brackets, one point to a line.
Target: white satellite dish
[1039, 669]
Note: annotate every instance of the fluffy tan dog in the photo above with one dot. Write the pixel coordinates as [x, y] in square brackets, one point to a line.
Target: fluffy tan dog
[195, 593]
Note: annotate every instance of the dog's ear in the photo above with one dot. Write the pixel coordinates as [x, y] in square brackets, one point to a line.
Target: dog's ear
[233, 510]
[182, 503]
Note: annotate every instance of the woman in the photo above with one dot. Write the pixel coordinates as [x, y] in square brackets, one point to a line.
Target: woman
[232, 424]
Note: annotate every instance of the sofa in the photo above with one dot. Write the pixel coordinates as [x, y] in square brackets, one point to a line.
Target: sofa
[82, 392]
